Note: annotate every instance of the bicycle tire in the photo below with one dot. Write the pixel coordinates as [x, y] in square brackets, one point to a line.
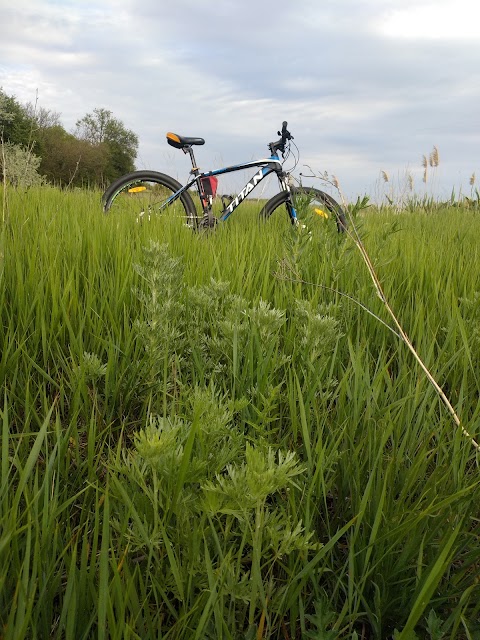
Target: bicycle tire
[307, 198]
[146, 193]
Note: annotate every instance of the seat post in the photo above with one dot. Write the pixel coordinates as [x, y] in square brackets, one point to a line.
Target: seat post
[206, 206]
[195, 169]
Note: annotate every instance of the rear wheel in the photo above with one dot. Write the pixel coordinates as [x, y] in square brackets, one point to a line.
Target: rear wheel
[308, 202]
[143, 194]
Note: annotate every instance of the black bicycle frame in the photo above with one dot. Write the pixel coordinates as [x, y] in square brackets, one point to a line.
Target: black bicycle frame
[268, 166]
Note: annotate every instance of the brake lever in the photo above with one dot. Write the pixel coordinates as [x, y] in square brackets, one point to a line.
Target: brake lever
[284, 136]
[284, 133]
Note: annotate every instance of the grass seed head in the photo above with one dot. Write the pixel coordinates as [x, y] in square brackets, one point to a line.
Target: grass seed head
[434, 158]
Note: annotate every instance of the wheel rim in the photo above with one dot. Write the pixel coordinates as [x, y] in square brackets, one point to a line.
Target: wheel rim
[314, 205]
[144, 199]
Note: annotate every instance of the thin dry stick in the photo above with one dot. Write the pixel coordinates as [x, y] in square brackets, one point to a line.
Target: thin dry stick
[4, 171]
[74, 173]
[358, 242]
[31, 142]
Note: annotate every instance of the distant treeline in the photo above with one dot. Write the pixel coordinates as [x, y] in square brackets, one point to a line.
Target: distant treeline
[35, 147]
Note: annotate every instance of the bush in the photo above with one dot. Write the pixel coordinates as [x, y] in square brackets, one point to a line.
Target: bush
[19, 166]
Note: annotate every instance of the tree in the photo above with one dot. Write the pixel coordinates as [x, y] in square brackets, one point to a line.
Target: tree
[42, 117]
[15, 125]
[101, 149]
[66, 160]
[18, 165]
[42, 120]
[101, 128]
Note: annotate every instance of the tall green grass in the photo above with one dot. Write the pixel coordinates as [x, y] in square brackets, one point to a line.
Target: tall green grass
[194, 446]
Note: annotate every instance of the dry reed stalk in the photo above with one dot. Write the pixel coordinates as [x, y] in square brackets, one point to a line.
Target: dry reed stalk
[405, 337]
[425, 168]
[410, 181]
[4, 172]
[434, 157]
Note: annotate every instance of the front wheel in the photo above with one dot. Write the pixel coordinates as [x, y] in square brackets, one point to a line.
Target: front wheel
[143, 194]
[307, 202]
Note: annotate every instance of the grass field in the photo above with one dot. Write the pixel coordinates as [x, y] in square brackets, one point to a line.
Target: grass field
[196, 444]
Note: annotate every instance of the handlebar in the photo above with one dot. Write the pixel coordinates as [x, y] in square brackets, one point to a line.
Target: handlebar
[280, 144]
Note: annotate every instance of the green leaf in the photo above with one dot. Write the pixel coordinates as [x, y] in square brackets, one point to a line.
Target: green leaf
[430, 584]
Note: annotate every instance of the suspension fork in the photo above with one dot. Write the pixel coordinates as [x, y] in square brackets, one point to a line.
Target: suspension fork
[284, 183]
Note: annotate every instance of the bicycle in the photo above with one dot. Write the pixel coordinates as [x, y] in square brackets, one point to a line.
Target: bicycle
[149, 192]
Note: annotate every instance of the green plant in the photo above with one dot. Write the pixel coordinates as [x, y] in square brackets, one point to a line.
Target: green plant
[195, 448]
[19, 166]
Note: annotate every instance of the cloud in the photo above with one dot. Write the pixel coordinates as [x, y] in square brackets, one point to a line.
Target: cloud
[359, 96]
[440, 20]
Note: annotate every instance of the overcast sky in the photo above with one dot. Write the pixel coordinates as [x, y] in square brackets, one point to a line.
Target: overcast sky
[365, 85]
